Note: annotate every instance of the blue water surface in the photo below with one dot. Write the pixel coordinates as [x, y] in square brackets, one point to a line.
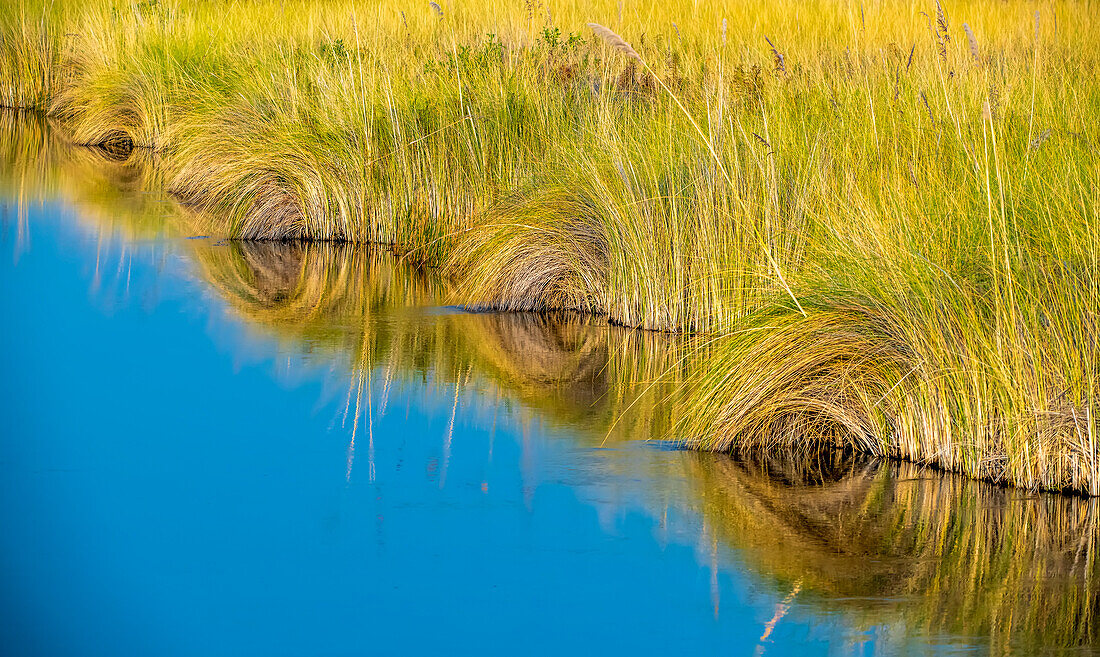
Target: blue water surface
[174, 482]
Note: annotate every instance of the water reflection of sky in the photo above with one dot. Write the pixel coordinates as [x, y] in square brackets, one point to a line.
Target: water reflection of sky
[169, 489]
[215, 448]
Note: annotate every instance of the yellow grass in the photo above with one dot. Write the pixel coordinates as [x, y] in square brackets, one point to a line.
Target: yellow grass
[885, 222]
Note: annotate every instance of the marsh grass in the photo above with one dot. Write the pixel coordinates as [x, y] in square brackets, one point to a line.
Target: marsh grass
[887, 231]
[886, 543]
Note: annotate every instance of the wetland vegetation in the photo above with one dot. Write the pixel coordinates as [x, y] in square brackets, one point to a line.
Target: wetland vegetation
[874, 224]
[886, 544]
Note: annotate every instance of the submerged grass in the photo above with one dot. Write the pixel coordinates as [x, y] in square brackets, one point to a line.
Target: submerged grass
[882, 218]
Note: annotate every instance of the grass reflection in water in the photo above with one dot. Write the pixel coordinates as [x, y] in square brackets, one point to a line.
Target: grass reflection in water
[887, 540]
[891, 543]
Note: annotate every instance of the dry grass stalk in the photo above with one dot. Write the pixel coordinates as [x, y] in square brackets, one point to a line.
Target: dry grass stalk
[780, 60]
[973, 43]
[615, 41]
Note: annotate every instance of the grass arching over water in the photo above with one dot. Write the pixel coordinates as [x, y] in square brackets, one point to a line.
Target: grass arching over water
[886, 229]
[888, 544]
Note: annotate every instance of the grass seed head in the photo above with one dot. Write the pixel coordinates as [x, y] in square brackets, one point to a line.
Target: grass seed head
[615, 41]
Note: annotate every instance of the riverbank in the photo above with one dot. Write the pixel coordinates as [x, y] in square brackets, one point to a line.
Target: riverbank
[330, 374]
[883, 225]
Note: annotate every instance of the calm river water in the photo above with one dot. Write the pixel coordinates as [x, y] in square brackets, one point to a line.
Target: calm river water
[218, 448]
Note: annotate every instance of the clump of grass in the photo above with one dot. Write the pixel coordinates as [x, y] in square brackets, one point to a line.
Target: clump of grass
[973, 43]
[28, 61]
[543, 250]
